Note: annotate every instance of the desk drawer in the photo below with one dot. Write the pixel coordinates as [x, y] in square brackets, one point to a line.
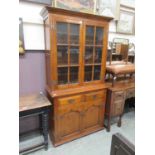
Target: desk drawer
[130, 93]
[119, 96]
[117, 108]
[93, 96]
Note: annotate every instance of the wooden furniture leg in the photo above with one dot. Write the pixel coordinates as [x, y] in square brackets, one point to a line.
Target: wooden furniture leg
[45, 128]
[109, 123]
[114, 79]
[119, 121]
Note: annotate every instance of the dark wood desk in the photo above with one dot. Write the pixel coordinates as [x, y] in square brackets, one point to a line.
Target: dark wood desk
[31, 105]
[116, 97]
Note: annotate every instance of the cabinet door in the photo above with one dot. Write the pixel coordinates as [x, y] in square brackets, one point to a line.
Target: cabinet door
[68, 124]
[93, 52]
[69, 116]
[68, 49]
[93, 115]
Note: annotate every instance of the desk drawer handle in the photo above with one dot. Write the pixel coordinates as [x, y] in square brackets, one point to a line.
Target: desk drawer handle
[71, 101]
[119, 95]
[131, 94]
[94, 97]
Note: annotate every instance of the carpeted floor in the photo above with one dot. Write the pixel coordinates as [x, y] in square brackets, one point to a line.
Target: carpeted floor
[98, 143]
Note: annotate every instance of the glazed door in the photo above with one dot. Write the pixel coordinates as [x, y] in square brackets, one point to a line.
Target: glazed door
[93, 52]
[68, 49]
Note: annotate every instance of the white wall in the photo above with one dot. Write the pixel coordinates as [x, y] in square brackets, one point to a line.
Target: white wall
[33, 27]
[113, 34]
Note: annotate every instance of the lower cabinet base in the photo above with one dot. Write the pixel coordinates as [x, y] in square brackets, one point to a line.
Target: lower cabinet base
[75, 136]
[77, 115]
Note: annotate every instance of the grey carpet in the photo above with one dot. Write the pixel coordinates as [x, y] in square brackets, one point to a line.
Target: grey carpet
[98, 143]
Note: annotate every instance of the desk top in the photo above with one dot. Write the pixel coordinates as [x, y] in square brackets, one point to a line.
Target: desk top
[34, 101]
[122, 85]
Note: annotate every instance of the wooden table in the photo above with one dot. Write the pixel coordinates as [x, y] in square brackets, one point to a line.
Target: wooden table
[31, 105]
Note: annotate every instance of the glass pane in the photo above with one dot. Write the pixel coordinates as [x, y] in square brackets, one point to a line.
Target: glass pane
[98, 55]
[62, 55]
[62, 75]
[88, 73]
[74, 74]
[74, 34]
[74, 55]
[90, 35]
[62, 33]
[99, 36]
[88, 55]
[97, 70]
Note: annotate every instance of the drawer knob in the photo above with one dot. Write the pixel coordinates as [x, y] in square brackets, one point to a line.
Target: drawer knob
[71, 101]
[119, 95]
[94, 97]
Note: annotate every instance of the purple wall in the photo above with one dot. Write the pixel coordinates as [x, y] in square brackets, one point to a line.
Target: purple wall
[31, 80]
[31, 72]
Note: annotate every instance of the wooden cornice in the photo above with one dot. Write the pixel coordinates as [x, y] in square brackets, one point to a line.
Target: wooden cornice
[54, 10]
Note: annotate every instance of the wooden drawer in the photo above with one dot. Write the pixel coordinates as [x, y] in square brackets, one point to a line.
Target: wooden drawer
[118, 96]
[117, 108]
[94, 96]
[70, 100]
[130, 93]
[87, 105]
[68, 104]
[70, 108]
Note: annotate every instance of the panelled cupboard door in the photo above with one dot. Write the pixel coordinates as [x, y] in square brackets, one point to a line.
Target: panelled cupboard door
[68, 51]
[94, 50]
[93, 116]
[69, 124]
[69, 115]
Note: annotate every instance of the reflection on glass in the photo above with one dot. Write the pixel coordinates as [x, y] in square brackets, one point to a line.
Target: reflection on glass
[74, 34]
[88, 73]
[88, 55]
[99, 36]
[74, 55]
[74, 74]
[62, 75]
[62, 55]
[62, 33]
[98, 55]
[90, 35]
[97, 70]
